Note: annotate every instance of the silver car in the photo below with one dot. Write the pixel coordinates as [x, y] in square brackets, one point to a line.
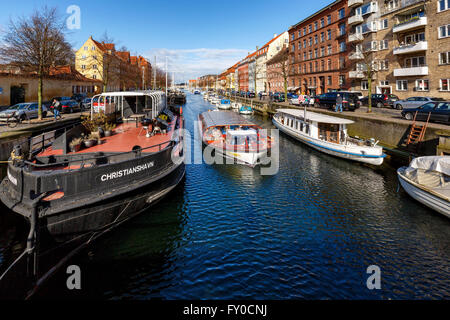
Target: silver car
[23, 111]
[414, 102]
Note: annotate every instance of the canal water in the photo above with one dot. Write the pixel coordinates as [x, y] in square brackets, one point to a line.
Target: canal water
[308, 232]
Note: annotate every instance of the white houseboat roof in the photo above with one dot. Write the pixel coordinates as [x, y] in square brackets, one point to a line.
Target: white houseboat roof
[224, 118]
[317, 117]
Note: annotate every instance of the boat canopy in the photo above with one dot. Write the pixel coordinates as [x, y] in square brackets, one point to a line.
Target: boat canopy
[316, 117]
[225, 101]
[224, 118]
[434, 163]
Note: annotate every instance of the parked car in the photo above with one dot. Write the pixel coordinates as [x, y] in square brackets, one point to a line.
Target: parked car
[60, 99]
[380, 100]
[23, 111]
[414, 102]
[278, 97]
[86, 104]
[250, 94]
[358, 93]
[79, 97]
[439, 111]
[70, 106]
[350, 101]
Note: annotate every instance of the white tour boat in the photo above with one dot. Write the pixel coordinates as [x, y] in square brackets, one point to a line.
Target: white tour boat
[327, 134]
[427, 179]
[225, 104]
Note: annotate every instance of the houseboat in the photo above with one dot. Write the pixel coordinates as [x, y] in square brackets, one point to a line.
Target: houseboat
[225, 104]
[234, 137]
[327, 134]
[67, 192]
[427, 180]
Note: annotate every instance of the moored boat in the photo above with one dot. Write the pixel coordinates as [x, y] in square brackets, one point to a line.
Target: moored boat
[427, 180]
[234, 137]
[69, 195]
[236, 105]
[245, 110]
[225, 104]
[327, 134]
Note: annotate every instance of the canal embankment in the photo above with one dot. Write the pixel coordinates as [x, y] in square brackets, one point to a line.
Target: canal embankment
[390, 130]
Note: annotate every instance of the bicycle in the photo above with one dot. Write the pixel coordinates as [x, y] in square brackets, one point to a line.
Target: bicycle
[13, 121]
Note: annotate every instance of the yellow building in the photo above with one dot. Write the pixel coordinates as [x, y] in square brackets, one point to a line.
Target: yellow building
[98, 61]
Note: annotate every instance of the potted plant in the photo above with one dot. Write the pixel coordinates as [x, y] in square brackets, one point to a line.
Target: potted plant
[92, 139]
[109, 127]
[75, 144]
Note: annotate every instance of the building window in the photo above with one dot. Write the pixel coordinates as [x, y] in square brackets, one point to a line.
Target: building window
[414, 38]
[304, 43]
[329, 81]
[299, 33]
[384, 24]
[330, 49]
[384, 65]
[310, 28]
[316, 26]
[444, 57]
[292, 37]
[415, 62]
[445, 85]
[329, 19]
[83, 57]
[322, 36]
[392, 4]
[310, 54]
[322, 65]
[342, 29]
[364, 85]
[444, 31]
[329, 64]
[316, 39]
[83, 67]
[341, 62]
[310, 41]
[322, 22]
[315, 53]
[384, 83]
[341, 80]
[422, 85]
[341, 13]
[310, 67]
[322, 51]
[93, 48]
[304, 31]
[329, 34]
[293, 48]
[443, 5]
[299, 45]
[86, 48]
[402, 85]
[342, 46]
[304, 55]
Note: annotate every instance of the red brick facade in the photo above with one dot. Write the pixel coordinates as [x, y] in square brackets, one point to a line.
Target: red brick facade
[243, 76]
[319, 51]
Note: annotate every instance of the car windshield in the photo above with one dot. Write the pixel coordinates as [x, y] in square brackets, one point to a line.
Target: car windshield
[19, 106]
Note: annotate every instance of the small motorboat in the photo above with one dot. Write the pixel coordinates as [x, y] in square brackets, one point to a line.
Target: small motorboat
[236, 105]
[327, 134]
[196, 92]
[245, 110]
[225, 104]
[215, 101]
[427, 180]
[234, 137]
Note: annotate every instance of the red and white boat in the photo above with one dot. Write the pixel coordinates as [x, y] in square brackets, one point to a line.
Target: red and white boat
[234, 137]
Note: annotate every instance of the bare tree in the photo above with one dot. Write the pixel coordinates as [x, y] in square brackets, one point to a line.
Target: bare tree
[282, 58]
[36, 44]
[366, 66]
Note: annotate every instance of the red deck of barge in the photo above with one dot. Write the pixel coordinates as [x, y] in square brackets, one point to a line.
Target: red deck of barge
[125, 137]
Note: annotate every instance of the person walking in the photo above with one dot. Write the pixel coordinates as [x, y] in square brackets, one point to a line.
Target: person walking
[56, 107]
[338, 103]
[260, 96]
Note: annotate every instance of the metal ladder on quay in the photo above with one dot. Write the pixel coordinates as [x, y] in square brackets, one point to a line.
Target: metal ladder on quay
[416, 134]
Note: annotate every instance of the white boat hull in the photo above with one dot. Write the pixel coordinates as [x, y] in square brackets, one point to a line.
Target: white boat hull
[224, 106]
[421, 195]
[246, 112]
[336, 150]
[247, 158]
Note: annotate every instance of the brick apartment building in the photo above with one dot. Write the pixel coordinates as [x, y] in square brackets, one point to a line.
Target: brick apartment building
[318, 51]
[408, 43]
[275, 72]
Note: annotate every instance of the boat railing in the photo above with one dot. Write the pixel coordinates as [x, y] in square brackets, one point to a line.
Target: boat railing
[72, 159]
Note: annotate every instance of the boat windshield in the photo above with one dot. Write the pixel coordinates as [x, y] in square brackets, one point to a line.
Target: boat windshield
[241, 137]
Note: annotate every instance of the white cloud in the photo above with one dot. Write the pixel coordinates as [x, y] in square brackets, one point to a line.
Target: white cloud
[192, 63]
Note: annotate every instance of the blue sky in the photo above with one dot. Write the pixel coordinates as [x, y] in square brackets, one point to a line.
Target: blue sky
[198, 36]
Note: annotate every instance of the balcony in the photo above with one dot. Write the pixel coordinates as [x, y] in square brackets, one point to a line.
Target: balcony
[355, 37]
[410, 48]
[414, 71]
[356, 56]
[354, 3]
[355, 19]
[356, 74]
[411, 24]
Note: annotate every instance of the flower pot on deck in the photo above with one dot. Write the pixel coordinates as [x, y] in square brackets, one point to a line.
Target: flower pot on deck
[90, 143]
